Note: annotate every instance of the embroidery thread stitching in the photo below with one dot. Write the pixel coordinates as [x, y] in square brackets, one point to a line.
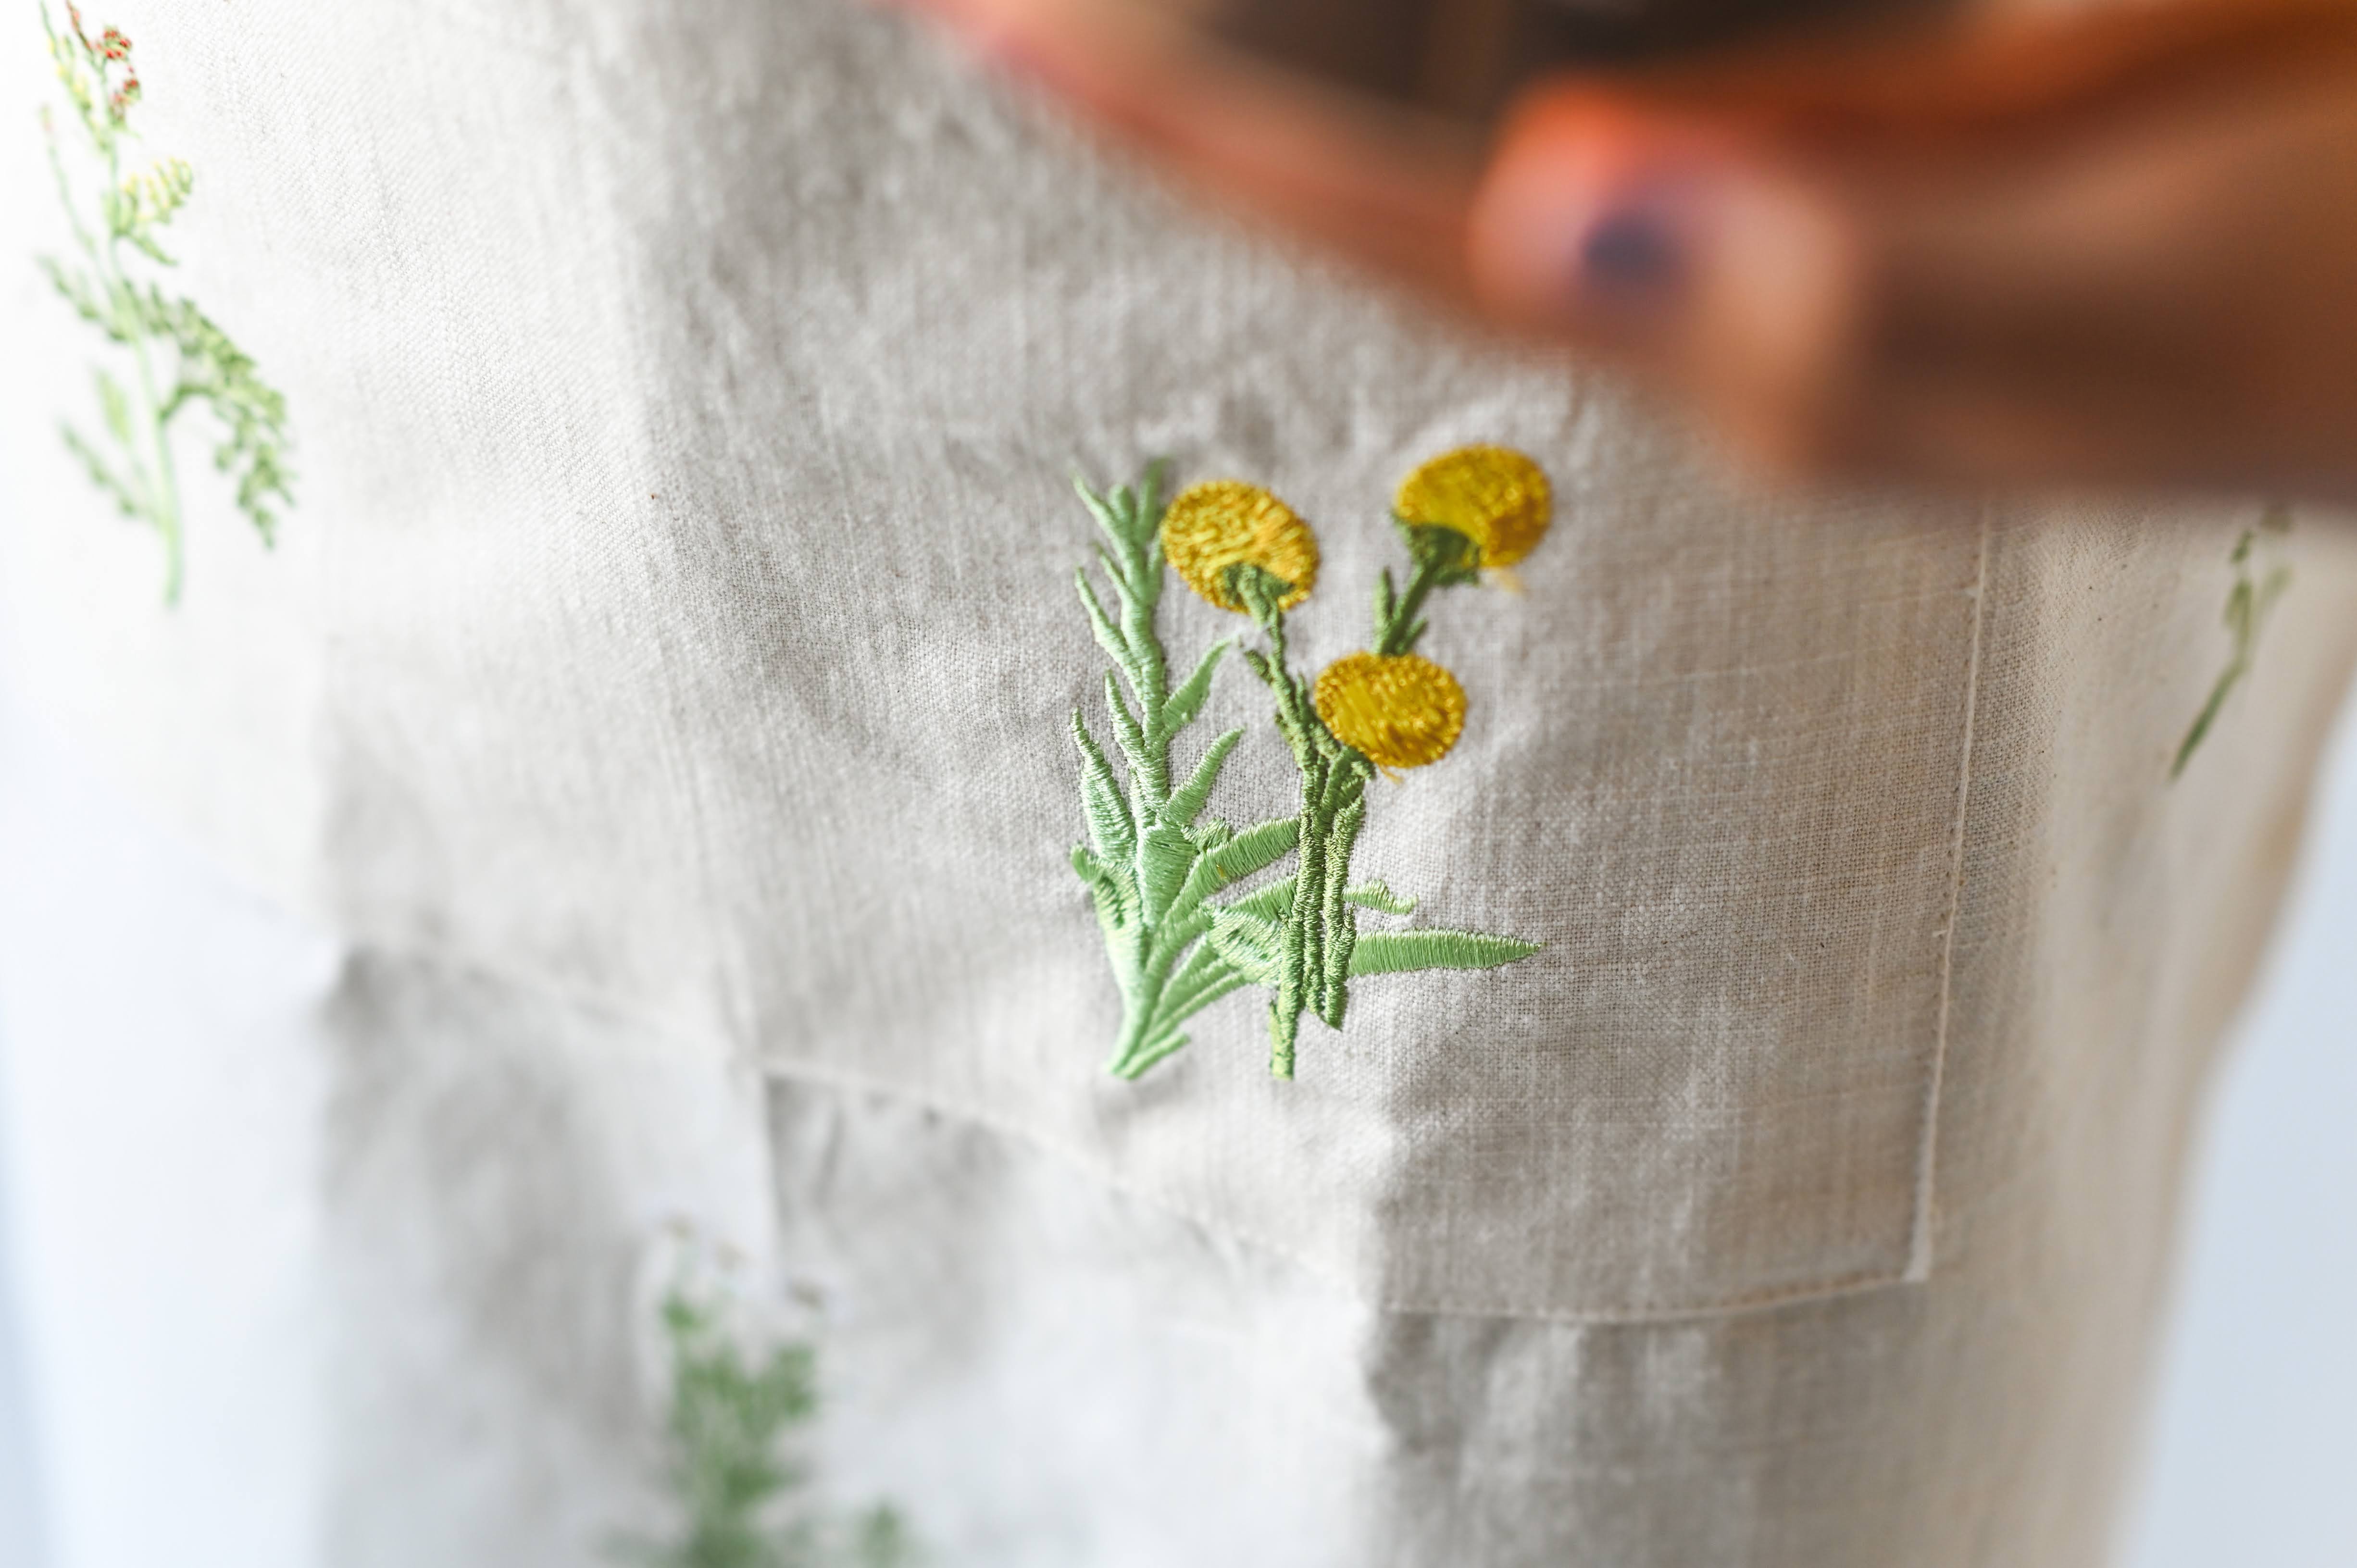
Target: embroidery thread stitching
[205, 365]
[1148, 866]
[2248, 604]
[740, 1394]
[1151, 871]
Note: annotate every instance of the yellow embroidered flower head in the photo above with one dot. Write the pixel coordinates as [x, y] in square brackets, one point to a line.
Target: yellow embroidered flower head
[1492, 494]
[1399, 710]
[1214, 527]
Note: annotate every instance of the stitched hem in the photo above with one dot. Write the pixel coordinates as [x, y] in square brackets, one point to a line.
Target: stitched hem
[1919, 1247]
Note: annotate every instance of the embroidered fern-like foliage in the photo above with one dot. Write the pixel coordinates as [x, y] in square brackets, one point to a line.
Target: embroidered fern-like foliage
[1154, 866]
[170, 355]
[1150, 864]
[733, 1485]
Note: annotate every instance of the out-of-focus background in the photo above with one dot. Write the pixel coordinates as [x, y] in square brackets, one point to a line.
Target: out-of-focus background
[2255, 1436]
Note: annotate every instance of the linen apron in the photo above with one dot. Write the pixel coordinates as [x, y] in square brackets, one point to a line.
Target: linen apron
[640, 782]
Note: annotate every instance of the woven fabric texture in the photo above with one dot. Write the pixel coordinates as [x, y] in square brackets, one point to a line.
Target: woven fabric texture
[674, 627]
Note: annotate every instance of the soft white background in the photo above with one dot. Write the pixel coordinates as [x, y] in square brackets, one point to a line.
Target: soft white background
[2255, 1438]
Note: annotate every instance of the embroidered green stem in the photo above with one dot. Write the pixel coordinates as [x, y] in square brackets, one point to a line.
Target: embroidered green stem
[177, 355]
[1319, 930]
[1441, 558]
[2248, 603]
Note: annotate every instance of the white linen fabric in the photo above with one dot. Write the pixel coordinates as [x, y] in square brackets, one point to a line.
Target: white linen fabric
[665, 680]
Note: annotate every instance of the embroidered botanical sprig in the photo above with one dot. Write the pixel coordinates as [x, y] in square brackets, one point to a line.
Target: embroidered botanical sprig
[2248, 603]
[176, 356]
[1149, 866]
[734, 1486]
[1152, 871]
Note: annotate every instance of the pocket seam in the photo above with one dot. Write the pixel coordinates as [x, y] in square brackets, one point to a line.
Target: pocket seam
[1920, 1244]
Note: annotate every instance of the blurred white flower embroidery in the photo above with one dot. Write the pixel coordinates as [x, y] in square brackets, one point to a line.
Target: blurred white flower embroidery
[175, 356]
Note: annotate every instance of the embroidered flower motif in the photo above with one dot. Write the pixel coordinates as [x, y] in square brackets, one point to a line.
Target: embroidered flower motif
[1216, 527]
[1398, 709]
[167, 355]
[1153, 867]
[1494, 496]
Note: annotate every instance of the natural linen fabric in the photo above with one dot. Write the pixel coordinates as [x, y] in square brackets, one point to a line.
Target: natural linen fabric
[670, 662]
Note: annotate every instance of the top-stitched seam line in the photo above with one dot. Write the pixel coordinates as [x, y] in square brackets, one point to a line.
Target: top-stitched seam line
[354, 940]
[1234, 1233]
[1919, 1247]
[355, 937]
[764, 1066]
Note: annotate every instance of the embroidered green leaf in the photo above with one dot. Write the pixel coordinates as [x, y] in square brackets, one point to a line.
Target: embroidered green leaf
[1149, 759]
[2248, 603]
[1116, 513]
[177, 355]
[1187, 800]
[1255, 849]
[1188, 700]
[1376, 896]
[1113, 889]
[1201, 980]
[1273, 900]
[1112, 567]
[1108, 636]
[1134, 1063]
[1249, 945]
[1399, 953]
[1164, 856]
[1111, 828]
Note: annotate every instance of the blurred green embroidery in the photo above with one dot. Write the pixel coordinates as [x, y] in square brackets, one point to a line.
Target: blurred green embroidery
[733, 1485]
[2248, 604]
[1152, 868]
[176, 356]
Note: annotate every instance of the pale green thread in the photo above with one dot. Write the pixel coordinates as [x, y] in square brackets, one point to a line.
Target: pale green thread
[176, 354]
[2248, 604]
[1395, 952]
[1151, 871]
[1311, 955]
[1150, 867]
[732, 1482]
[1441, 558]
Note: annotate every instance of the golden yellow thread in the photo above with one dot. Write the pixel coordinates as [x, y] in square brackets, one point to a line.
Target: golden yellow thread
[1492, 494]
[1220, 524]
[1398, 709]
